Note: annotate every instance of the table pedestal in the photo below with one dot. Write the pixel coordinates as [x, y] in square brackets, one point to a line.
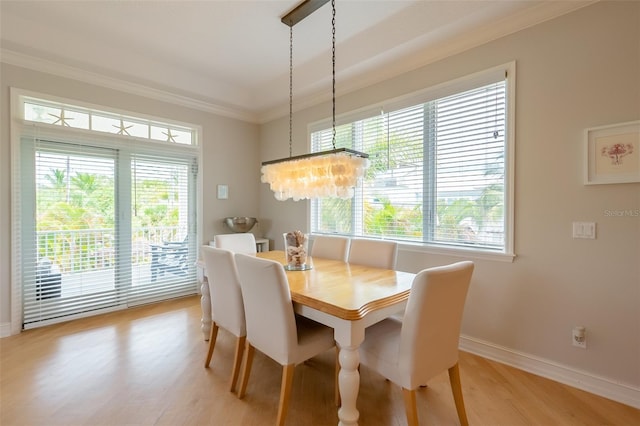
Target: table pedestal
[205, 301]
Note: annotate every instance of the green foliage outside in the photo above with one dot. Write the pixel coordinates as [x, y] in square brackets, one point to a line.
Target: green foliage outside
[458, 221]
[76, 222]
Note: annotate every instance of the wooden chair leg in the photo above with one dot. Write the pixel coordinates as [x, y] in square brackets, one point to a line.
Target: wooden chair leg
[285, 392]
[248, 360]
[337, 382]
[410, 406]
[212, 343]
[456, 388]
[237, 362]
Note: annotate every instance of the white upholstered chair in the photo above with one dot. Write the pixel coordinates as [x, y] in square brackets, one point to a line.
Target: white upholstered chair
[227, 308]
[237, 243]
[425, 343]
[272, 326]
[330, 247]
[375, 253]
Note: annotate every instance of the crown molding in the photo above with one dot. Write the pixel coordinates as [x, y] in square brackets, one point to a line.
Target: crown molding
[414, 55]
[18, 59]
[411, 56]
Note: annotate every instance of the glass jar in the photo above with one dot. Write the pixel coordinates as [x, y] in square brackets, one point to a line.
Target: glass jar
[296, 246]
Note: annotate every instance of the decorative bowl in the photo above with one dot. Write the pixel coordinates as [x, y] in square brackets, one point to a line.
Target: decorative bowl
[240, 223]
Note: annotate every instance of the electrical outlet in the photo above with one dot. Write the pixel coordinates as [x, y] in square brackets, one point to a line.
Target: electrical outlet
[579, 337]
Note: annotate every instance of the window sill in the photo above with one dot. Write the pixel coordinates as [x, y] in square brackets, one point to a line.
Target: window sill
[467, 253]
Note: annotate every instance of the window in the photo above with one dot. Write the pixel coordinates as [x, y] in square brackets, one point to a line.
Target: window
[438, 167]
[64, 115]
[106, 219]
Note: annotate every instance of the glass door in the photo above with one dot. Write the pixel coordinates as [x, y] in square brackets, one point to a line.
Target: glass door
[69, 257]
[104, 229]
[162, 228]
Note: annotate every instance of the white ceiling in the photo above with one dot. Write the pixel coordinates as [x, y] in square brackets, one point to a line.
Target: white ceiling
[233, 56]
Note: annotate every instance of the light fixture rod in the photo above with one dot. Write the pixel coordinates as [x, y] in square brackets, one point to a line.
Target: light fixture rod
[324, 174]
[301, 11]
[317, 154]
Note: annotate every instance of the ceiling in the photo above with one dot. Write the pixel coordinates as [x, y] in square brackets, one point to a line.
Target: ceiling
[232, 57]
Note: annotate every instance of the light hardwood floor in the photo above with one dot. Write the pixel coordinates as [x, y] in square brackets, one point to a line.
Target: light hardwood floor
[145, 366]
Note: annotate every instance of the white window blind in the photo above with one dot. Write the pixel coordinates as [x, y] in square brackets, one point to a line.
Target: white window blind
[69, 234]
[103, 222]
[112, 229]
[162, 213]
[437, 172]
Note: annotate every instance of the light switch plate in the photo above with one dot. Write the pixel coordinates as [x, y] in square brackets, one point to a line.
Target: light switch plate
[223, 192]
[584, 230]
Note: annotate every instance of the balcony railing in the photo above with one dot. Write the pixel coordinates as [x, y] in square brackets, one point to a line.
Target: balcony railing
[92, 249]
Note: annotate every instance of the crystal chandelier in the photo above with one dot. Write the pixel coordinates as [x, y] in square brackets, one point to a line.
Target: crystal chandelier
[334, 173]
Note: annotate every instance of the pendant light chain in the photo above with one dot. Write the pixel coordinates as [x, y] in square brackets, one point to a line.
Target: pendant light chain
[322, 174]
[333, 64]
[290, 89]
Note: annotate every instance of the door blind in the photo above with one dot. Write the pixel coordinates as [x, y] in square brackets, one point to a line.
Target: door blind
[106, 228]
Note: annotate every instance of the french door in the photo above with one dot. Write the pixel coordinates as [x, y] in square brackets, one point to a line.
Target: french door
[103, 228]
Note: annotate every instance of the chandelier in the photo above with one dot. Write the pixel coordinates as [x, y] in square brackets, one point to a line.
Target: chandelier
[333, 173]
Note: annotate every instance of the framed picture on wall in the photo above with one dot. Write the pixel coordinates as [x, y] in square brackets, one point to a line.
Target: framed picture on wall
[612, 154]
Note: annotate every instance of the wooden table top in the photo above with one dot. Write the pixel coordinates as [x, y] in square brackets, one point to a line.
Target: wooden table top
[345, 290]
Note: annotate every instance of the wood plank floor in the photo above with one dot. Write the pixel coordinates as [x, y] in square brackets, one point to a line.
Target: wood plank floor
[144, 366]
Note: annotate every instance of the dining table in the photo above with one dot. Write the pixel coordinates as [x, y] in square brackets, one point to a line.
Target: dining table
[344, 296]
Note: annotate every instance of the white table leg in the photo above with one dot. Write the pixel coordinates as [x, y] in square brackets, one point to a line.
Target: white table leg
[205, 304]
[349, 335]
[349, 384]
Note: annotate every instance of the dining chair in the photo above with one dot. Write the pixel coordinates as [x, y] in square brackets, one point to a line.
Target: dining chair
[237, 243]
[425, 343]
[227, 307]
[375, 253]
[330, 247]
[272, 326]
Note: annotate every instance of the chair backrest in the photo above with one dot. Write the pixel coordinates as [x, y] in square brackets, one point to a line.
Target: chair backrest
[376, 253]
[271, 324]
[237, 243]
[431, 326]
[227, 306]
[330, 247]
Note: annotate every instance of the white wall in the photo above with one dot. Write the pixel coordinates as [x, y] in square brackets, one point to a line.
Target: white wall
[578, 71]
[230, 149]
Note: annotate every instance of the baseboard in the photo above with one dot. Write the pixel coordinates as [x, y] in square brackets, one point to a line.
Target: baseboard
[600, 386]
[5, 329]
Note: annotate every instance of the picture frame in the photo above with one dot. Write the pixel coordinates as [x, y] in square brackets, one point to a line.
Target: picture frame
[612, 154]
